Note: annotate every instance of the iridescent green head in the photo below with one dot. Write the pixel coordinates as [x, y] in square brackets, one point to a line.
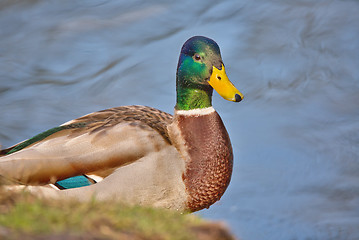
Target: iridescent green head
[200, 69]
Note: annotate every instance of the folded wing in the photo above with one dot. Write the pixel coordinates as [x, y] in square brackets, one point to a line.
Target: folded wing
[98, 142]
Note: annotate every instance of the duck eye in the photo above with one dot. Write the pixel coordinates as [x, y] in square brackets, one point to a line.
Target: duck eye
[197, 57]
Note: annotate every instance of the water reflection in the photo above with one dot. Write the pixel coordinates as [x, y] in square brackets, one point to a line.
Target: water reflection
[295, 136]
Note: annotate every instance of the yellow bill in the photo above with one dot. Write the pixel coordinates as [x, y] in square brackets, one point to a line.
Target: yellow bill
[220, 82]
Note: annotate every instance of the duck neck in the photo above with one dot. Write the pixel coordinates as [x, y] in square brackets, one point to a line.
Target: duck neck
[191, 94]
[188, 99]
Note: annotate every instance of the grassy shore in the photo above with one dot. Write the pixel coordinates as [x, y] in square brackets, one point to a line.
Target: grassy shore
[24, 216]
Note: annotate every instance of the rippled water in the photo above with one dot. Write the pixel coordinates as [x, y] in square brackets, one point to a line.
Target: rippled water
[295, 136]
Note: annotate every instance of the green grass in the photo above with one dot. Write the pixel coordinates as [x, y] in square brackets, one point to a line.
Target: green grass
[22, 214]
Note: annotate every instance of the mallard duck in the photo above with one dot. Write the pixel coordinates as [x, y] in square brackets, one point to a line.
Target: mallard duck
[137, 154]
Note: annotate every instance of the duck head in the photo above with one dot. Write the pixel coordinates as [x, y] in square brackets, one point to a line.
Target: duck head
[200, 70]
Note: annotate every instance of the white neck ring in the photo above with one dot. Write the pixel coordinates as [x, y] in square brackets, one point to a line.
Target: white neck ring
[197, 111]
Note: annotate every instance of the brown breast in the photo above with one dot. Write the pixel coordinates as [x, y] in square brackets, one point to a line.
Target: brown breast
[209, 167]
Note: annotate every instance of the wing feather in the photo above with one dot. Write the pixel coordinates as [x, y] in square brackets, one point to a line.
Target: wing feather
[106, 140]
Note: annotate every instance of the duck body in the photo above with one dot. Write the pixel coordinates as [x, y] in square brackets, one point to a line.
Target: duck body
[135, 154]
